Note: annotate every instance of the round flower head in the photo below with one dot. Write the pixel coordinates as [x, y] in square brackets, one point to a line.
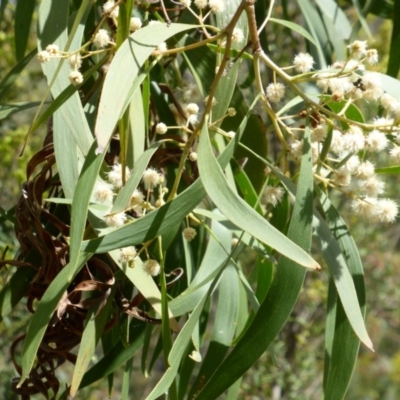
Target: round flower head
[162, 47]
[372, 57]
[189, 234]
[193, 156]
[337, 143]
[115, 220]
[127, 255]
[273, 195]
[213, 101]
[192, 108]
[137, 199]
[318, 134]
[75, 61]
[365, 208]
[108, 6]
[201, 4]
[75, 77]
[376, 141]
[103, 192]
[275, 92]
[296, 148]
[395, 154]
[365, 170]
[231, 112]
[152, 267]
[185, 3]
[386, 210]
[231, 134]
[342, 177]
[43, 56]
[135, 24]
[373, 86]
[115, 13]
[353, 140]
[237, 35]
[303, 62]
[115, 175]
[372, 187]
[161, 128]
[358, 49]
[151, 178]
[217, 6]
[102, 38]
[52, 49]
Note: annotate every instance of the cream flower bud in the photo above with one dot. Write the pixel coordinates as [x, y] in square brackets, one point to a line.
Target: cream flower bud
[213, 103]
[102, 38]
[185, 3]
[43, 56]
[52, 49]
[135, 24]
[75, 77]
[231, 112]
[75, 61]
[372, 57]
[152, 267]
[273, 195]
[161, 128]
[137, 199]
[193, 156]
[189, 234]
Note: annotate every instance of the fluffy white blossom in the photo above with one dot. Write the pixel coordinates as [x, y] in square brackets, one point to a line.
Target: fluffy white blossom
[189, 234]
[151, 178]
[192, 108]
[217, 6]
[201, 4]
[373, 86]
[365, 208]
[372, 187]
[386, 210]
[185, 3]
[152, 267]
[273, 195]
[337, 142]
[376, 141]
[371, 57]
[108, 6]
[342, 177]
[318, 134]
[358, 49]
[103, 192]
[128, 255]
[395, 154]
[75, 61]
[353, 140]
[275, 92]
[137, 199]
[101, 38]
[365, 170]
[237, 35]
[115, 220]
[303, 62]
[115, 175]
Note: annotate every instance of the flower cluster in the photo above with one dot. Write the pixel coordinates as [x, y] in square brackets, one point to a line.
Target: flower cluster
[344, 150]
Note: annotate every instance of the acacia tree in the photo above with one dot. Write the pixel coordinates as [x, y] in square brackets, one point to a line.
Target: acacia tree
[175, 144]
